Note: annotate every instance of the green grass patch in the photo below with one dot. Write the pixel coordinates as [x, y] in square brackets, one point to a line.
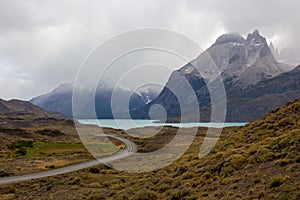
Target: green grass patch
[40, 149]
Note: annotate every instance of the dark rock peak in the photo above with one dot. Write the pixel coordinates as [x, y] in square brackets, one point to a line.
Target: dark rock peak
[230, 37]
[255, 33]
[255, 37]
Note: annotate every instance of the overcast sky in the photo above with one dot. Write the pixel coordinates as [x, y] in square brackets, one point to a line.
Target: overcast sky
[42, 43]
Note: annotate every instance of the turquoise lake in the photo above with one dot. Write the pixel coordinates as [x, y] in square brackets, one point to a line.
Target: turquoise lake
[128, 124]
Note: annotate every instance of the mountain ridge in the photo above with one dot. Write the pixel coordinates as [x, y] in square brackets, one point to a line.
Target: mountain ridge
[245, 64]
[60, 100]
[241, 66]
[16, 107]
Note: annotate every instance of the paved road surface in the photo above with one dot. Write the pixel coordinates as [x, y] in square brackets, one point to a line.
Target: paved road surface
[130, 148]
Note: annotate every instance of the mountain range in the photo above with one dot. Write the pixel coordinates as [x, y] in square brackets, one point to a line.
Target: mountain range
[60, 99]
[255, 82]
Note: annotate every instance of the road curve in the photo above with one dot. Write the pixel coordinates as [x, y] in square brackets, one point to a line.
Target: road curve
[130, 148]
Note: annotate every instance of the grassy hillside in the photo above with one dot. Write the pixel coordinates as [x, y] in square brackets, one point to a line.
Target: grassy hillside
[258, 161]
[32, 139]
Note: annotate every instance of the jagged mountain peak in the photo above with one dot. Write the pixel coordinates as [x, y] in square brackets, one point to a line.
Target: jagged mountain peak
[255, 38]
[242, 61]
[255, 35]
[229, 37]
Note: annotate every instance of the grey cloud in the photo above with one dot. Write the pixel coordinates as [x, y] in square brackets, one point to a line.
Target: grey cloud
[42, 43]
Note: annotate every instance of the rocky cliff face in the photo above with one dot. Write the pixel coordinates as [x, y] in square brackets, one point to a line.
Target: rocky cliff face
[251, 103]
[241, 62]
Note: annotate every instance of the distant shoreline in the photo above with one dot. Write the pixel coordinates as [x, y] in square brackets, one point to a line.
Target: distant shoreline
[128, 124]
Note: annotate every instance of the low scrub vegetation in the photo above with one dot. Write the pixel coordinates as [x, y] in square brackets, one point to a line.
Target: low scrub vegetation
[257, 161]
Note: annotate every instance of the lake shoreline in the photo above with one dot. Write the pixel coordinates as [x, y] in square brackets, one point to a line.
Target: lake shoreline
[126, 124]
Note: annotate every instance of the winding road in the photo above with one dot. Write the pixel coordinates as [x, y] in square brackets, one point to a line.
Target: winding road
[130, 148]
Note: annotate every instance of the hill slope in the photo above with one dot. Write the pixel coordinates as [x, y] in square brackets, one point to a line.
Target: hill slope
[25, 110]
[23, 121]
